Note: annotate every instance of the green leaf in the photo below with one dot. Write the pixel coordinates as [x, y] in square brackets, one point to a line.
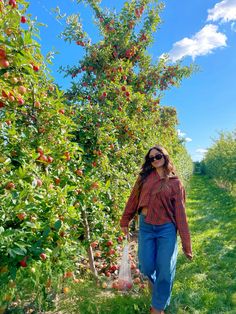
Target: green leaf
[17, 251]
[57, 225]
[46, 232]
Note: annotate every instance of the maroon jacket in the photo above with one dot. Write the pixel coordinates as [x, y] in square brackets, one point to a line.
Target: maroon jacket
[167, 205]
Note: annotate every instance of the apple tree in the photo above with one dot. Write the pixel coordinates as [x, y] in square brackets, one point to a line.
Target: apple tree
[40, 163]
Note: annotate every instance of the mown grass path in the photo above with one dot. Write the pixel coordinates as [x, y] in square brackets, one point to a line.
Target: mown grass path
[206, 285]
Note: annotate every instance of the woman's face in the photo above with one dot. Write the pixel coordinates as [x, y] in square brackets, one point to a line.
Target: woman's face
[157, 163]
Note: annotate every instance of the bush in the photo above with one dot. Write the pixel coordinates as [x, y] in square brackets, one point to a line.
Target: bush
[220, 160]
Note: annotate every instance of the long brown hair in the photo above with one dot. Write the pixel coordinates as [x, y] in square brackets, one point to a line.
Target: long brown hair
[147, 168]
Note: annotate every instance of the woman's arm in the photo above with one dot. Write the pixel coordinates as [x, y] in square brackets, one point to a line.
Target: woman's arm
[131, 205]
[181, 219]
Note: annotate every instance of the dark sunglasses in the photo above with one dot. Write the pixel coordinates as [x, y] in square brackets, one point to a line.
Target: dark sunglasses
[157, 157]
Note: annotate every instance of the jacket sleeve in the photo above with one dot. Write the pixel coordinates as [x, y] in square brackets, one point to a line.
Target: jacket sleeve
[181, 218]
[131, 205]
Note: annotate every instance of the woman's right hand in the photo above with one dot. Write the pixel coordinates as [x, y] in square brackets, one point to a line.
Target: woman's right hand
[125, 230]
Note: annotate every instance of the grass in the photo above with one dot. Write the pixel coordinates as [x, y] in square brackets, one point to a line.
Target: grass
[206, 285]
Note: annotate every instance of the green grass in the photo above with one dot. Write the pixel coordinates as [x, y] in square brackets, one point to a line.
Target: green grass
[206, 285]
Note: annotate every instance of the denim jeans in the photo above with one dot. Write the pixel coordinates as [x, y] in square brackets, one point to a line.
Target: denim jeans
[157, 256]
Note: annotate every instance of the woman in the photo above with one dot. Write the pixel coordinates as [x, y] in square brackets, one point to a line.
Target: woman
[158, 196]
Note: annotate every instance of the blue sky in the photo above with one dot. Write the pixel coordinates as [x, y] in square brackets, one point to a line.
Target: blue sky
[200, 31]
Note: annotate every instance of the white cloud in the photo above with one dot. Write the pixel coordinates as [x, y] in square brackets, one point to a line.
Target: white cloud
[201, 150]
[202, 43]
[188, 139]
[180, 133]
[182, 136]
[199, 154]
[224, 11]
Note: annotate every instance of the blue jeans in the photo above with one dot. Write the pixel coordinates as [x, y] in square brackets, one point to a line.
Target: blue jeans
[157, 256]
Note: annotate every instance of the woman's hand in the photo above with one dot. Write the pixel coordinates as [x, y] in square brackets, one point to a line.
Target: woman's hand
[188, 255]
[125, 230]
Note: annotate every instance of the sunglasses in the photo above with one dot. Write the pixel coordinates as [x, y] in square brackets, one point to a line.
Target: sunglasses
[157, 157]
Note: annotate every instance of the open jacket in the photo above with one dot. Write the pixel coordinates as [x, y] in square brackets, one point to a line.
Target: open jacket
[165, 205]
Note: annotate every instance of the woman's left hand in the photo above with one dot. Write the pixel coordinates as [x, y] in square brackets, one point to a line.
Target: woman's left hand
[188, 255]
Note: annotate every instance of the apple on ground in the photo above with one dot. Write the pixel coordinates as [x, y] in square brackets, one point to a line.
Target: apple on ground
[104, 285]
[68, 274]
[66, 290]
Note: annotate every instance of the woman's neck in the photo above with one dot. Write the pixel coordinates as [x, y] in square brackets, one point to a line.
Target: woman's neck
[160, 172]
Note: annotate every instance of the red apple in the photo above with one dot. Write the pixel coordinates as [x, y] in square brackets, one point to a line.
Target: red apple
[43, 256]
[67, 154]
[36, 68]
[57, 181]
[23, 263]
[97, 254]
[37, 104]
[10, 186]
[1, 104]
[4, 63]
[120, 239]
[39, 182]
[79, 172]
[111, 251]
[11, 98]
[12, 3]
[22, 90]
[21, 216]
[94, 244]
[20, 101]
[23, 19]
[49, 159]
[4, 94]
[109, 243]
[43, 158]
[113, 268]
[94, 185]
[40, 150]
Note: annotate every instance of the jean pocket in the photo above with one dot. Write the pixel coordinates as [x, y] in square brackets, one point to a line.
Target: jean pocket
[144, 225]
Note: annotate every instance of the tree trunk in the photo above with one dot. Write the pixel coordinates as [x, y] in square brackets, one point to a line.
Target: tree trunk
[89, 249]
